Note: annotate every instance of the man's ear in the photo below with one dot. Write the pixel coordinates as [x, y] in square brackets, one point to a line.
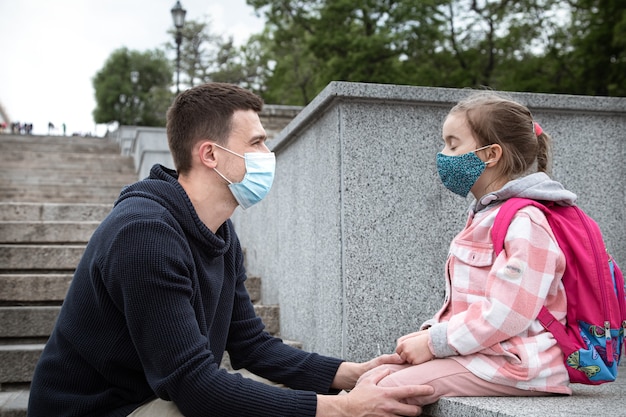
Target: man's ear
[206, 154]
[494, 153]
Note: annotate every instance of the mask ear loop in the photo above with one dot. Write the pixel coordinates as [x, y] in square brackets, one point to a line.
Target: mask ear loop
[487, 146]
[220, 174]
[227, 150]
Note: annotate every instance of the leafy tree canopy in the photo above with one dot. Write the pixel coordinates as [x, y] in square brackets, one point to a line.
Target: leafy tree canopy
[551, 46]
[558, 46]
[133, 88]
[206, 56]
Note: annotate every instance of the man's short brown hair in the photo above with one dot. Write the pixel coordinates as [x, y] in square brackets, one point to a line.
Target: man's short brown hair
[204, 112]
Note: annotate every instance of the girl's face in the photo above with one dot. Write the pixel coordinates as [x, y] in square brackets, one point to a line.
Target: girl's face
[459, 140]
[457, 136]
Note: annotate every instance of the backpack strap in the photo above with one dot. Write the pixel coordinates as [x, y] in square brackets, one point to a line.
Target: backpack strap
[505, 215]
[503, 219]
[558, 330]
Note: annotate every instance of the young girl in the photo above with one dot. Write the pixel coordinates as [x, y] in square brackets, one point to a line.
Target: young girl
[486, 339]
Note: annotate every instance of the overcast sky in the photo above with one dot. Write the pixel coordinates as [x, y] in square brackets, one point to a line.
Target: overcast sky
[51, 49]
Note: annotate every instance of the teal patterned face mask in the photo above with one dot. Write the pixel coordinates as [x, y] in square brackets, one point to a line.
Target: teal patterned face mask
[459, 173]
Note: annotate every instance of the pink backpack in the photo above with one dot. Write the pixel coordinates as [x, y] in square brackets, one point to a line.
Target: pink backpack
[593, 337]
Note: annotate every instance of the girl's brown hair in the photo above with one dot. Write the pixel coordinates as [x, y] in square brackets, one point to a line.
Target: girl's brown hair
[204, 112]
[493, 119]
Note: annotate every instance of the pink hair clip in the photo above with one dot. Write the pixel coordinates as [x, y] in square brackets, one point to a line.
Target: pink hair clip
[538, 130]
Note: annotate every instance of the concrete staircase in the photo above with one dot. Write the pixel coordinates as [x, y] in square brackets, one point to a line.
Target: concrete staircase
[54, 191]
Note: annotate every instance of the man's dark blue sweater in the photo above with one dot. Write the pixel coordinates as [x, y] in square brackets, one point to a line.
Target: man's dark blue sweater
[155, 301]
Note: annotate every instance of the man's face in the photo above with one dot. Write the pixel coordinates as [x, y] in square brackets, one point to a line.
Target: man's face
[247, 135]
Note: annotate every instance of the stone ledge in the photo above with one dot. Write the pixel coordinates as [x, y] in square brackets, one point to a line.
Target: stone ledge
[605, 400]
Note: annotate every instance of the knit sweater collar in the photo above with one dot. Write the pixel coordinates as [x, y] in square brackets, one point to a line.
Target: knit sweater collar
[162, 187]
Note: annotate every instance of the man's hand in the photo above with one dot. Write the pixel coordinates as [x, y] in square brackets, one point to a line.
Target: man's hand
[369, 400]
[349, 372]
[413, 348]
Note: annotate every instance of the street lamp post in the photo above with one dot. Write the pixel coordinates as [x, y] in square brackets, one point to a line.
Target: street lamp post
[134, 79]
[122, 100]
[178, 15]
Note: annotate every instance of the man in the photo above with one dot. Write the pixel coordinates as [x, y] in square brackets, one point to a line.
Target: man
[159, 295]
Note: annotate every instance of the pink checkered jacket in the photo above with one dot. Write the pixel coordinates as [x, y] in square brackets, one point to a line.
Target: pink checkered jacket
[488, 322]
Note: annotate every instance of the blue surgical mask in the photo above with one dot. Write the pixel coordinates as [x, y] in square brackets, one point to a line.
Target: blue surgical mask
[258, 180]
[459, 173]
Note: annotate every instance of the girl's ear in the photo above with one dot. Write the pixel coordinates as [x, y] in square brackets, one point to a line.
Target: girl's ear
[494, 153]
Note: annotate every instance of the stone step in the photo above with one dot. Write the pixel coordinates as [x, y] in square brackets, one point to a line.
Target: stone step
[60, 161]
[20, 289]
[60, 193]
[46, 232]
[64, 168]
[14, 403]
[253, 285]
[24, 211]
[58, 144]
[21, 323]
[25, 289]
[18, 362]
[270, 314]
[27, 322]
[17, 149]
[39, 257]
[70, 180]
[51, 157]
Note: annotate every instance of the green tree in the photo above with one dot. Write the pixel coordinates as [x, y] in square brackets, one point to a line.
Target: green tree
[599, 47]
[453, 43]
[470, 43]
[555, 46]
[523, 45]
[255, 64]
[291, 74]
[207, 56]
[315, 42]
[133, 88]
[197, 53]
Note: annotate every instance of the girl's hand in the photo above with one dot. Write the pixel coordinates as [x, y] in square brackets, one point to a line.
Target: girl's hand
[413, 348]
[408, 336]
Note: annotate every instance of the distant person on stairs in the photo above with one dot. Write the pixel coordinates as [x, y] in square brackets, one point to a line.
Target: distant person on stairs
[159, 295]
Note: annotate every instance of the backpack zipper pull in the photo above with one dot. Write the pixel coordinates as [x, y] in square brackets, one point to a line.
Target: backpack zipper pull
[623, 346]
[609, 345]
